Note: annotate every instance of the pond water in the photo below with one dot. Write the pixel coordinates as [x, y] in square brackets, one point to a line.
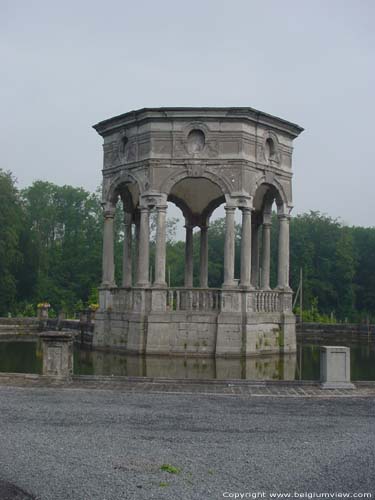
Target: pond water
[26, 357]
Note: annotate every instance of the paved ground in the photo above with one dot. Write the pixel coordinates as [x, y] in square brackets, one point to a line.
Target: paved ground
[110, 444]
[194, 386]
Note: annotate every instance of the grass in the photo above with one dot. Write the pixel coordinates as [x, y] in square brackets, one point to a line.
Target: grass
[171, 469]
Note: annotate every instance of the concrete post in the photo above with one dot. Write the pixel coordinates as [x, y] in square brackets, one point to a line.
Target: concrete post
[246, 248]
[255, 255]
[266, 255]
[229, 247]
[144, 247]
[57, 355]
[335, 367]
[108, 253]
[127, 252]
[160, 251]
[283, 258]
[204, 257]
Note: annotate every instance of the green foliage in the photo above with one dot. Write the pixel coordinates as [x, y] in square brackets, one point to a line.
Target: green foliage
[312, 315]
[170, 468]
[328, 255]
[62, 244]
[93, 296]
[11, 228]
[29, 311]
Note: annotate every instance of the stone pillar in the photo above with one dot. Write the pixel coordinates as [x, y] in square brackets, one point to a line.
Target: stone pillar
[144, 247]
[108, 250]
[229, 247]
[246, 247]
[127, 251]
[283, 258]
[57, 355]
[160, 251]
[189, 256]
[204, 257]
[136, 249]
[266, 255]
[255, 255]
[335, 367]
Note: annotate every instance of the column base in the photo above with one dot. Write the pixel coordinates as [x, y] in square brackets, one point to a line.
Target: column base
[143, 284]
[246, 286]
[231, 285]
[160, 284]
[283, 288]
[108, 284]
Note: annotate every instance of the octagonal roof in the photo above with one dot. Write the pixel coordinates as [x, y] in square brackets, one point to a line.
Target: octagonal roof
[204, 113]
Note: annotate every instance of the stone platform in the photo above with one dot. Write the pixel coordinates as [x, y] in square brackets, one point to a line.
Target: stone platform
[191, 321]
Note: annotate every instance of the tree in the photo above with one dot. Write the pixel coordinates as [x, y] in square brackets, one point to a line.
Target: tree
[64, 238]
[10, 231]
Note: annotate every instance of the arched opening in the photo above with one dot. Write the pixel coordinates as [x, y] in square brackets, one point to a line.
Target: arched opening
[270, 255]
[197, 198]
[124, 200]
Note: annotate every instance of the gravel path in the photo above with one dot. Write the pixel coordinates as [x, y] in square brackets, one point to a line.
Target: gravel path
[103, 444]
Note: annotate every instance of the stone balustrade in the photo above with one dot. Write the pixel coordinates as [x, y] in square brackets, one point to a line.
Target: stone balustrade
[267, 301]
[194, 299]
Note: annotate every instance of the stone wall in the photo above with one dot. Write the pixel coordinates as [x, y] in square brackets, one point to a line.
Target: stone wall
[19, 325]
[328, 328]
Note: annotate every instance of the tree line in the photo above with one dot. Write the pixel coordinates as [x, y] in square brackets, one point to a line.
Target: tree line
[51, 250]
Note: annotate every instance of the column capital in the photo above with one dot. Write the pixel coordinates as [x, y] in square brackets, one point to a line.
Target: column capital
[230, 208]
[143, 208]
[246, 210]
[286, 217]
[153, 198]
[109, 209]
[161, 208]
[267, 218]
[108, 214]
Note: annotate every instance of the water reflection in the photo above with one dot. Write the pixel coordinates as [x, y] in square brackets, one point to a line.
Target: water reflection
[256, 368]
[21, 356]
[26, 357]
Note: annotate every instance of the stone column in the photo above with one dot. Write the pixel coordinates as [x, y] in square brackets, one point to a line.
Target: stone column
[283, 258]
[255, 255]
[266, 255]
[229, 247]
[144, 247]
[189, 256]
[108, 250]
[246, 248]
[136, 249]
[127, 251]
[204, 257]
[160, 251]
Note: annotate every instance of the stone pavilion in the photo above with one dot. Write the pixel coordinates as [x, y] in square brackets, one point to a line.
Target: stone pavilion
[198, 159]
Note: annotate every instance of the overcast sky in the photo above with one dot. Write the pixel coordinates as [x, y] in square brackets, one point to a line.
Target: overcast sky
[66, 65]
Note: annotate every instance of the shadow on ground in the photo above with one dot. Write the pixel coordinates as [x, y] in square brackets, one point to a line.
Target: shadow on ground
[9, 491]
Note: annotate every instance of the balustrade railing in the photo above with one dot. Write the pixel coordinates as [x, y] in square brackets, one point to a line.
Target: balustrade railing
[197, 299]
[193, 299]
[267, 301]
